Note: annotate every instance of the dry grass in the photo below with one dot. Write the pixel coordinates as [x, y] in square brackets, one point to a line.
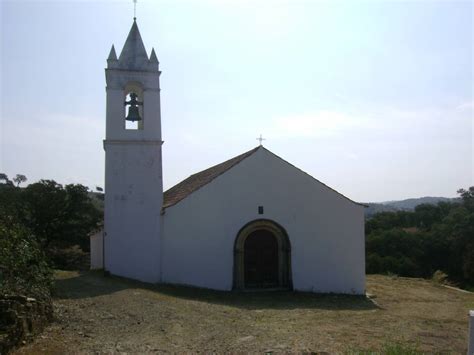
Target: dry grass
[99, 314]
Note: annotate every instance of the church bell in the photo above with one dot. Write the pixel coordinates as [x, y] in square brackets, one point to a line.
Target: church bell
[133, 114]
[133, 110]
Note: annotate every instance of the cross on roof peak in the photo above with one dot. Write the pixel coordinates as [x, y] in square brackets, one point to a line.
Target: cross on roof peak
[261, 139]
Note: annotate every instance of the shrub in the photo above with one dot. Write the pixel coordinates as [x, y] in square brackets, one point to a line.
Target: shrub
[440, 278]
[23, 265]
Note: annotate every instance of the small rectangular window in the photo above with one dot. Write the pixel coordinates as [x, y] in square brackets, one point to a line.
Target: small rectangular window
[260, 209]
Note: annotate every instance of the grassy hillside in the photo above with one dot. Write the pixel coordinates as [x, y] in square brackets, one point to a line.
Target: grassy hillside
[110, 315]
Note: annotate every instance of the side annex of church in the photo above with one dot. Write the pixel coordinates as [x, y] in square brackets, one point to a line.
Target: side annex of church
[254, 221]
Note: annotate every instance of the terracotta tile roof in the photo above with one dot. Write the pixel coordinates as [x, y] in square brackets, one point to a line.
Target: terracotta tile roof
[198, 180]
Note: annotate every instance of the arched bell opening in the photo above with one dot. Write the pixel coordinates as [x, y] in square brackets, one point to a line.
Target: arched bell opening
[262, 257]
[133, 104]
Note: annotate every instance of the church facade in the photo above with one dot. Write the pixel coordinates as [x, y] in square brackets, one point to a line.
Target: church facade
[254, 221]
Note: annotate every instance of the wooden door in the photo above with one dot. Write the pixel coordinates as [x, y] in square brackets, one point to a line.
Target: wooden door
[261, 260]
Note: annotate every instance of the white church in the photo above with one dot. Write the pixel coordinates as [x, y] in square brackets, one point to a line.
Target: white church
[252, 222]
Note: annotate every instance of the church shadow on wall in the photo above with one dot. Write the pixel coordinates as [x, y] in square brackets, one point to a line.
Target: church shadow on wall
[89, 284]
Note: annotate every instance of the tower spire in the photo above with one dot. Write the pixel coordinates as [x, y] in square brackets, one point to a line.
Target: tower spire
[133, 55]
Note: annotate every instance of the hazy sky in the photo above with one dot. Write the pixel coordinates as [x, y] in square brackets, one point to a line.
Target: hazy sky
[373, 98]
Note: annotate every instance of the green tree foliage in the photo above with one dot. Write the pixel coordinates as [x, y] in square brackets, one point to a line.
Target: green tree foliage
[4, 180]
[23, 265]
[19, 178]
[432, 237]
[56, 215]
[388, 220]
[396, 252]
[35, 220]
[59, 215]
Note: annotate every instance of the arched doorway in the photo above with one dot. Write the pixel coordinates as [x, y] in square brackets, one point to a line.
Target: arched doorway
[262, 256]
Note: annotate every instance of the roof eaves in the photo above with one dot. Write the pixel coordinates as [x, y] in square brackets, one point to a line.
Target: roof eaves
[244, 156]
[322, 183]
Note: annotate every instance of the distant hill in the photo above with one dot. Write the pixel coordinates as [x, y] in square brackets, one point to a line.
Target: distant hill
[377, 208]
[404, 205]
[411, 203]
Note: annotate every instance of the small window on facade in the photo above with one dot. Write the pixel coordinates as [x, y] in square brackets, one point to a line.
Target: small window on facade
[260, 209]
[133, 112]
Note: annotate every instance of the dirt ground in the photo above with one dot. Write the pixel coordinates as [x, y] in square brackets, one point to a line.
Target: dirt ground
[97, 314]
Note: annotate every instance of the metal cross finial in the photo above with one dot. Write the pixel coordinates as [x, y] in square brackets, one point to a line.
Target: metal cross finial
[134, 10]
[261, 139]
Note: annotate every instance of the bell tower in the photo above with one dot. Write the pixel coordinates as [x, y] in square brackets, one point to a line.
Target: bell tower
[133, 165]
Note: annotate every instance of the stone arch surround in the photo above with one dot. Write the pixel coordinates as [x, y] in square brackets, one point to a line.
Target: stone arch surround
[284, 252]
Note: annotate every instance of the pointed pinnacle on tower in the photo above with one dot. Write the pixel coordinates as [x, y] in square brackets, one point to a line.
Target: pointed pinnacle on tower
[153, 57]
[112, 54]
[112, 61]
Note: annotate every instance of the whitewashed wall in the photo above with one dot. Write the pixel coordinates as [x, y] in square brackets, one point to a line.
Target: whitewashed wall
[325, 229]
[133, 178]
[133, 200]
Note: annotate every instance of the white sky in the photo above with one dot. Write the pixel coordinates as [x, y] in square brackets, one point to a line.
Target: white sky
[374, 98]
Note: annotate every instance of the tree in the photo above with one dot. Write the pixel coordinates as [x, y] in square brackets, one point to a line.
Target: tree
[466, 194]
[4, 180]
[11, 205]
[61, 216]
[426, 215]
[467, 197]
[19, 178]
[443, 239]
[394, 251]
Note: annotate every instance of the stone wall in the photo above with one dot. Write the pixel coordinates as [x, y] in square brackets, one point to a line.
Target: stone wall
[21, 318]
